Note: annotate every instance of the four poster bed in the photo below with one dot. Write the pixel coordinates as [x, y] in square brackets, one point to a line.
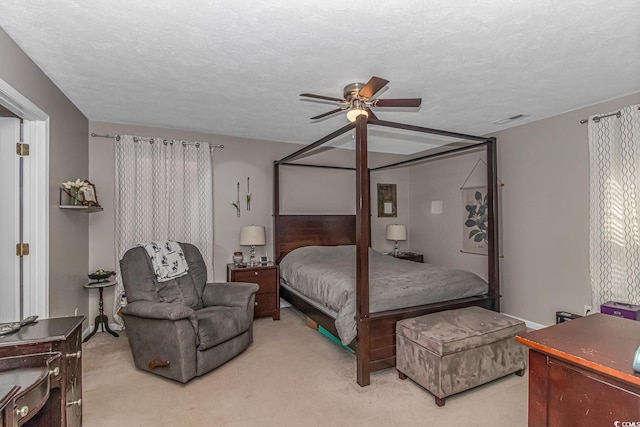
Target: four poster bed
[375, 319]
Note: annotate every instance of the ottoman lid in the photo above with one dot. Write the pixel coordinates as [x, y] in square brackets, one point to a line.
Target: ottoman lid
[457, 330]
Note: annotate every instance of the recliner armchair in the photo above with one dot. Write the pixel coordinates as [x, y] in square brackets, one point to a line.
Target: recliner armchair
[184, 327]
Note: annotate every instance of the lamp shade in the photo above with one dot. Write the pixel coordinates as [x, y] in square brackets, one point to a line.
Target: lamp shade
[252, 235]
[396, 232]
[352, 115]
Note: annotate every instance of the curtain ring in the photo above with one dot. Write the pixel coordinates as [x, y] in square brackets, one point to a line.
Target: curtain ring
[184, 144]
[135, 139]
[117, 137]
[618, 114]
[197, 145]
[596, 120]
[164, 141]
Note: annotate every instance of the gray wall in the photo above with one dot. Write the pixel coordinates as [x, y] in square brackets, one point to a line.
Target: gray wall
[545, 213]
[544, 205]
[544, 216]
[439, 236]
[68, 128]
[241, 158]
[400, 177]
[543, 164]
[305, 190]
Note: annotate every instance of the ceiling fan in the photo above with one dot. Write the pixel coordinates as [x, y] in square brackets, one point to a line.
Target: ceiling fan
[358, 99]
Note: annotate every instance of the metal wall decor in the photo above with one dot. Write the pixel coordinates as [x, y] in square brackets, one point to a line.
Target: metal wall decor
[248, 196]
[236, 204]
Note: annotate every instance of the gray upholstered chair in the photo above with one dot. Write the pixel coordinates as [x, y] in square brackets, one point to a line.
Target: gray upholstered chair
[184, 327]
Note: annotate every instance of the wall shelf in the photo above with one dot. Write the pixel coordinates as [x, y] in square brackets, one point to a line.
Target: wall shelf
[87, 209]
[82, 208]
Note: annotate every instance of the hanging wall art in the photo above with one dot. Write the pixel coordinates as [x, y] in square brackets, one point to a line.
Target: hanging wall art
[474, 228]
[475, 210]
[387, 201]
[236, 204]
[248, 196]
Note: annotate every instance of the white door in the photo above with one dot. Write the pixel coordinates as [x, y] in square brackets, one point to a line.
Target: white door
[34, 268]
[10, 180]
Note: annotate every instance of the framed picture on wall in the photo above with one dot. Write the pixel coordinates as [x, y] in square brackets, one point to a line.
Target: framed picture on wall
[89, 196]
[387, 201]
[475, 227]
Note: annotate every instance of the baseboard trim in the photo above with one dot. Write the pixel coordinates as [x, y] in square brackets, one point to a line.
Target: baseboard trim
[529, 323]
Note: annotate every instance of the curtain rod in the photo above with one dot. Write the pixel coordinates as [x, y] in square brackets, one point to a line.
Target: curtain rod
[211, 145]
[597, 118]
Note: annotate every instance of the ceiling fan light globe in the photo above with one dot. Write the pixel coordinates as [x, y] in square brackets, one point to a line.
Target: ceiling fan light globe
[354, 113]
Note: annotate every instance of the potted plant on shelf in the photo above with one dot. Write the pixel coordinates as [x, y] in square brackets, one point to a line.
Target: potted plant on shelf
[74, 188]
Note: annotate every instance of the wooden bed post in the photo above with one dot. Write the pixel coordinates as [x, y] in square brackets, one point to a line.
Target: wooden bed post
[493, 248]
[363, 227]
[293, 231]
[276, 213]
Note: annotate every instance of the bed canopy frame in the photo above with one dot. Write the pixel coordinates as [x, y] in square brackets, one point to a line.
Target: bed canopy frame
[375, 341]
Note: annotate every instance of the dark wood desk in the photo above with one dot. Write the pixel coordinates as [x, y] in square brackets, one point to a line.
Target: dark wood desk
[25, 385]
[60, 335]
[580, 373]
[8, 392]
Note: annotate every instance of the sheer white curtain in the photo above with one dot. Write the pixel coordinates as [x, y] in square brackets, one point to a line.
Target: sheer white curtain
[163, 191]
[614, 152]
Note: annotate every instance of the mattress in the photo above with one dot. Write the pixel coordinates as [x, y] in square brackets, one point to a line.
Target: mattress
[326, 275]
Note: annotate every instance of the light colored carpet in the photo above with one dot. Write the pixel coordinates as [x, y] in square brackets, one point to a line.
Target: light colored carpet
[290, 376]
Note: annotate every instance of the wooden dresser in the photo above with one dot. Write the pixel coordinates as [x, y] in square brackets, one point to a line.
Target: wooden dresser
[55, 336]
[580, 373]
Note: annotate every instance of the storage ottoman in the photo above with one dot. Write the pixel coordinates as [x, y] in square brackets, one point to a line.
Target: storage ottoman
[454, 350]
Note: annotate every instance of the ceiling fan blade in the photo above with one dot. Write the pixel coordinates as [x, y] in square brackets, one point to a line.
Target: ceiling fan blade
[372, 87]
[337, 110]
[326, 98]
[400, 102]
[371, 115]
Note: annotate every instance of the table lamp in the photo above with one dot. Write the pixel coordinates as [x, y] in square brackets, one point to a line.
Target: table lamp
[396, 232]
[252, 235]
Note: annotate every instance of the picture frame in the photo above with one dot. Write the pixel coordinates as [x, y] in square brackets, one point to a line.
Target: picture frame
[264, 259]
[474, 220]
[89, 195]
[387, 201]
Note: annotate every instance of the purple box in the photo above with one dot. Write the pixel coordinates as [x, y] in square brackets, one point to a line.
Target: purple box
[620, 309]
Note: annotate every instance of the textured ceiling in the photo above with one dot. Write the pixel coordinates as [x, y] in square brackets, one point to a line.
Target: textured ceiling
[237, 67]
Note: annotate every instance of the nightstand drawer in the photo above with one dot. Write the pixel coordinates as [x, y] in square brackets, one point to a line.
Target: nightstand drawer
[265, 278]
[265, 304]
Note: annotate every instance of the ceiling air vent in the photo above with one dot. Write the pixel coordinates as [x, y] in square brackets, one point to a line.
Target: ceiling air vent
[509, 119]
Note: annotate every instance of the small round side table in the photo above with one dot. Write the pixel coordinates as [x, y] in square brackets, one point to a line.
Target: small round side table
[101, 319]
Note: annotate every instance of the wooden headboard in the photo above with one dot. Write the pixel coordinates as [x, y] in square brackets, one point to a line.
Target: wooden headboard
[294, 231]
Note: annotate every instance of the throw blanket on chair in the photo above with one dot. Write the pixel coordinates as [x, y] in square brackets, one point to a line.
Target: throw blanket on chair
[167, 259]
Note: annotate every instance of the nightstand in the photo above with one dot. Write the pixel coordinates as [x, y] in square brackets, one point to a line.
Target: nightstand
[268, 278]
[410, 256]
